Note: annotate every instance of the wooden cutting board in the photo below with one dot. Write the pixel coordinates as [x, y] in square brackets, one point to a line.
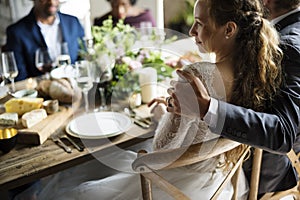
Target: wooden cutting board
[39, 133]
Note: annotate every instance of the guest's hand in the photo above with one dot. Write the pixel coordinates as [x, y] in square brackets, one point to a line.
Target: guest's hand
[189, 97]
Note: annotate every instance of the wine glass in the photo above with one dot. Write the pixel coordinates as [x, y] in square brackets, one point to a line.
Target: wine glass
[9, 67]
[43, 61]
[63, 59]
[103, 75]
[84, 79]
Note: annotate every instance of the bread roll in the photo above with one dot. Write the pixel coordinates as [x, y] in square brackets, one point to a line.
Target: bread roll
[43, 88]
[64, 90]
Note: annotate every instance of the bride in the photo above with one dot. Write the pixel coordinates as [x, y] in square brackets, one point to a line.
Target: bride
[247, 72]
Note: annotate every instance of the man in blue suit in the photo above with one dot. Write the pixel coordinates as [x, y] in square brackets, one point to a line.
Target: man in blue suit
[44, 26]
[276, 132]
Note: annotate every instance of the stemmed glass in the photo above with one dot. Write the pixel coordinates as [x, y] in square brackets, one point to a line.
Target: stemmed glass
[102, 74]
[9, 67]
[43, 61]
[64, 58]
[84, 79]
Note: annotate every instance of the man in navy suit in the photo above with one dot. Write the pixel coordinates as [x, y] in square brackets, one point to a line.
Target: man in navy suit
[44, 26]
[276, 132]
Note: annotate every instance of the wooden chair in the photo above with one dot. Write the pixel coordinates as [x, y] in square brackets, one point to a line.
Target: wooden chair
[256, 165]
[148, 165]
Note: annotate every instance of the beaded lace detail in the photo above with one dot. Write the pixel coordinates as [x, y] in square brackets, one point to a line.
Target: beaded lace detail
[176, 131]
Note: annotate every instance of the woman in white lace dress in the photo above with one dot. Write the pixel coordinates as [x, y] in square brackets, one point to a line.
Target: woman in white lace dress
[247, 72]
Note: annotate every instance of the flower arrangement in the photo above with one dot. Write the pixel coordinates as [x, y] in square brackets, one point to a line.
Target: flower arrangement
[112, 48]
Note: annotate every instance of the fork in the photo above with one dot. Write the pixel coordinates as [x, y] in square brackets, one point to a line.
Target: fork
[79, 148]
[60, 143]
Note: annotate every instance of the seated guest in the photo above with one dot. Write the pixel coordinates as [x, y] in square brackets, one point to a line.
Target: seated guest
[43, 27]
[126, 10]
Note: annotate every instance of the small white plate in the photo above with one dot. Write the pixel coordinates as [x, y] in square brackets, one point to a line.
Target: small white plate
[25, 93]
[98, 125]
[3, 91]
[63, 72]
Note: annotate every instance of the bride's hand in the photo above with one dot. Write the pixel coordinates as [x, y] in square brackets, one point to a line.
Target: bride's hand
[159, 108]
[157, 101]
[189, 96]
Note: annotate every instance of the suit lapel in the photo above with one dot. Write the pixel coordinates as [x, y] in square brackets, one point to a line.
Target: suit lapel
[37, 35]
[62, 25]
[293, 18]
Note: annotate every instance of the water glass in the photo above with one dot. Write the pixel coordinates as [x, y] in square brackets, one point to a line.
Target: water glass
[84, 79]
[63, 59]
[9, 67]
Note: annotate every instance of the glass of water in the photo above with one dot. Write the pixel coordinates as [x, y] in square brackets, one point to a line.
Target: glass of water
[84, 79]
[63, 59]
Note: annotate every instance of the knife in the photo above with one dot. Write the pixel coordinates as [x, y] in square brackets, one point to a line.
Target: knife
[58, 141]
[79, 148]
[140, 123]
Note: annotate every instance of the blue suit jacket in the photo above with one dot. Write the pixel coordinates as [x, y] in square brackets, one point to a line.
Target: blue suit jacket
[278, 131]
[24, 37]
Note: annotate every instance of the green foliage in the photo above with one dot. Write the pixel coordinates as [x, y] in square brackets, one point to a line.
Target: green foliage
[113, 40]
[186, 15]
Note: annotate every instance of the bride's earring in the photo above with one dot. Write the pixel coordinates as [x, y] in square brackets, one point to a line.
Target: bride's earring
[226, 37]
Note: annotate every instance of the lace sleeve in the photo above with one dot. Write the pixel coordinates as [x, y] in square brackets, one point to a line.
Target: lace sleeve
[175, 131]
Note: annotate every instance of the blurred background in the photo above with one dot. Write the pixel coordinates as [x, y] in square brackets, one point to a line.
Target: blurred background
[168, 13]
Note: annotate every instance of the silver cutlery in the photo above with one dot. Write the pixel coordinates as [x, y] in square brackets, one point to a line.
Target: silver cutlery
[136, 119]
[79, 148]
[60, 143]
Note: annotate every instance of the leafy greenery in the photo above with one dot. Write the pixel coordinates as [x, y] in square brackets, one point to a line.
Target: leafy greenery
[116, 42]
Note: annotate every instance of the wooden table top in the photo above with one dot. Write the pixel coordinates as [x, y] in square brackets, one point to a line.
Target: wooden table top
[26, 163]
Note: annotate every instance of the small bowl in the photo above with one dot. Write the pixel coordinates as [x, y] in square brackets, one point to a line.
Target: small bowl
[8, 139]
[25, 93]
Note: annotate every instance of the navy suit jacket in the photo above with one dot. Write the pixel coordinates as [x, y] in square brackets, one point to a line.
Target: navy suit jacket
[24, 38]
[278, 131]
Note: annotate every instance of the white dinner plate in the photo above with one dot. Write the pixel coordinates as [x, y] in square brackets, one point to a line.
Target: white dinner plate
[63, 72]
[98, 125]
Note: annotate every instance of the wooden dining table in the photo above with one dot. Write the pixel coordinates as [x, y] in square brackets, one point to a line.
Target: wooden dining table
[26, 163]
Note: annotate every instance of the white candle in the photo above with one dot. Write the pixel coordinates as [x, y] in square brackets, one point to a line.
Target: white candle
[148, 83]
[87, 26]
[160, 14]
[31, 83]
[135, 100]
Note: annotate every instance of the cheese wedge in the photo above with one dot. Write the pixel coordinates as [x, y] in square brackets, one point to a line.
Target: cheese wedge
[23, 105]
[9, 119]
[33, 117]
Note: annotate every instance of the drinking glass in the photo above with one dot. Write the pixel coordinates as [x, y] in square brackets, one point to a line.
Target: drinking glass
[63, 59]
[9, 67]
[43, 61]
[84, 79]
[102, 74]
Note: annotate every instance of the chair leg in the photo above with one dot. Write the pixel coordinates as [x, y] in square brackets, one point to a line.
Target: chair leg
[146, 188]
[145, 183]
[235, 182]
[255, 174]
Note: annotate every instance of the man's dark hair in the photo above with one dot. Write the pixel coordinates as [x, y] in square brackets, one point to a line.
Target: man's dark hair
[132, 2]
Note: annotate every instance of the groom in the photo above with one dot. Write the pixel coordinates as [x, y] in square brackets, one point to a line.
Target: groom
[275, 131]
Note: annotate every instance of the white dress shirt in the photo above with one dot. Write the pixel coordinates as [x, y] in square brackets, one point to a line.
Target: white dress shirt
[53, 37]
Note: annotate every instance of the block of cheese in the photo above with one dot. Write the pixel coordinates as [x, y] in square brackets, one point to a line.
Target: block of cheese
[33, 117]
[23, 105]
[9, 119]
